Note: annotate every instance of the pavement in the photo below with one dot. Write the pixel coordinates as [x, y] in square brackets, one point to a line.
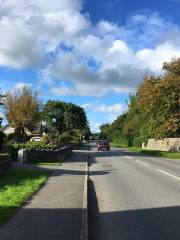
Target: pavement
[55, 212]
[133, 197]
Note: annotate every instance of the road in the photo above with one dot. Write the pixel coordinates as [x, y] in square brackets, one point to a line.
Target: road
[133, 197]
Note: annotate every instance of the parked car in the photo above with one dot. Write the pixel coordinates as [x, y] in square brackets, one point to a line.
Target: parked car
[103, 145]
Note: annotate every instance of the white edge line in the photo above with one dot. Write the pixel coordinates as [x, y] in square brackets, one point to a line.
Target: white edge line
[177, 178]
[145, 164]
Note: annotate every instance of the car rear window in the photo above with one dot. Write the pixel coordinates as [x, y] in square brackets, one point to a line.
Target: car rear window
[103, 142]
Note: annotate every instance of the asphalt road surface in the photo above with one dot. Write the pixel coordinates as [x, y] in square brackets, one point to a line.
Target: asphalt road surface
[133, 196]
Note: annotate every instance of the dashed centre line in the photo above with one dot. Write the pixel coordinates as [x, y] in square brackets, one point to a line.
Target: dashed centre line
[173, 176]
[145, 164]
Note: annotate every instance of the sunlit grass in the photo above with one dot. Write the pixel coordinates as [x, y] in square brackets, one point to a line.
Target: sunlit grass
[48, 163]
[16, 187]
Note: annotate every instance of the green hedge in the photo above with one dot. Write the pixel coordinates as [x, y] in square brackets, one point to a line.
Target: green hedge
[14, 148]
[5, 162]
[2, 138]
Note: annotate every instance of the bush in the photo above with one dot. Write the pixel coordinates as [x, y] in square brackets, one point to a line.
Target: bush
[45, 139]
[66, 137]
[119, 142]
[13, 151]
[2, 138]
[3, 156]
[71, 136]
[14, 148]
[137, 142]
[5, 162]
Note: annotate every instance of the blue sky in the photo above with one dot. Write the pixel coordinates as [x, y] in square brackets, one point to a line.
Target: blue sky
[92, 53]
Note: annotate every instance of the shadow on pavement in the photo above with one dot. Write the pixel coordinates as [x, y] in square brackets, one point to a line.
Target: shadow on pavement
[141, 224]
[79, 156]
[43, 224]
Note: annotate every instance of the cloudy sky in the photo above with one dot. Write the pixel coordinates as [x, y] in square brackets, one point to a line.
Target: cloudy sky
[92, 53]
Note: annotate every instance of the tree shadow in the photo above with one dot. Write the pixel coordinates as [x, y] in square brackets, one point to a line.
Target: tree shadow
[45, 224]
[78, 156]
[161, 223]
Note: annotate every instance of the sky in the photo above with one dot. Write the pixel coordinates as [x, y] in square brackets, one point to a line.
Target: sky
[92, 53]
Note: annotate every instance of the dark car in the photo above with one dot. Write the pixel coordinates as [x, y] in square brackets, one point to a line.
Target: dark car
[103, 145]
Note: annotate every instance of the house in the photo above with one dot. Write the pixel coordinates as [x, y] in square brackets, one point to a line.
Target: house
[35, 130]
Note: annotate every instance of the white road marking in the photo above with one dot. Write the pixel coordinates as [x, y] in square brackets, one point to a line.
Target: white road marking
[145, 164]
[129, 157]
[177, 178]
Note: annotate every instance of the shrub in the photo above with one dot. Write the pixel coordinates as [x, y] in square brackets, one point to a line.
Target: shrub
[71, 136]
[2, 138]
[14, 148]
[5, 163]
[137, 142]
[45, 139]
[13, 151]
[66, 137]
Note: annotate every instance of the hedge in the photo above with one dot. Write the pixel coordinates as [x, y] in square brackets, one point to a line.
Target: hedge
[5, 162]
[14, 148]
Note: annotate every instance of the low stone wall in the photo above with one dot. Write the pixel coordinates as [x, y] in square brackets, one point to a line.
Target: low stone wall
[5, 163]
[165, 144]
[44, 155]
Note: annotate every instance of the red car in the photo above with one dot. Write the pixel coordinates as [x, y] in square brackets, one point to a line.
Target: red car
[103, 145]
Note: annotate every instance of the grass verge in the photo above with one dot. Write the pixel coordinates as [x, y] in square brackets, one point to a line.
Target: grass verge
[48, 163]
[173, 155]
[16, 187]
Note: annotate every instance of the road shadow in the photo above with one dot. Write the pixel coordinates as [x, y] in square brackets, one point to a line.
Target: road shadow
[42, 224]
[142, 224]
[78, 156]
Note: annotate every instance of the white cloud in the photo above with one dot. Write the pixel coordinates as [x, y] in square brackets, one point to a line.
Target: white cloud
[102, 58]
[29, 30]
[117, 108]
[107, 113]
[95, 126]
[20, 85]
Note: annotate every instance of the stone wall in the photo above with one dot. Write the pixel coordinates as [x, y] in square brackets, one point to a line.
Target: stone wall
[165, 144]
[44, 155]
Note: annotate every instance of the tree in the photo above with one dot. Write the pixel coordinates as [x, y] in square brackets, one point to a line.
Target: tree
[172, 67]
[62, 117]
[1, 104]
[159, 103]
[2, 135]
[74, 117]
[86, 133]
[104, 131]
[153, 112]
[22, 109]
[53, 115]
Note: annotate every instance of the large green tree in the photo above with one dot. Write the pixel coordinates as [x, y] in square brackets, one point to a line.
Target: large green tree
[153, 112]
[62, 117]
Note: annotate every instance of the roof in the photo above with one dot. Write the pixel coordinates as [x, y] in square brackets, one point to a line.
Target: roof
[32, 129]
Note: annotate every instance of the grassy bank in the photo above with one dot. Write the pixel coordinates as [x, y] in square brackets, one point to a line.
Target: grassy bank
[173, 155]
[16, 187]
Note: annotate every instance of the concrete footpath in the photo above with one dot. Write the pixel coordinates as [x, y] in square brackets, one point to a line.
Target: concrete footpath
[55, 212]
